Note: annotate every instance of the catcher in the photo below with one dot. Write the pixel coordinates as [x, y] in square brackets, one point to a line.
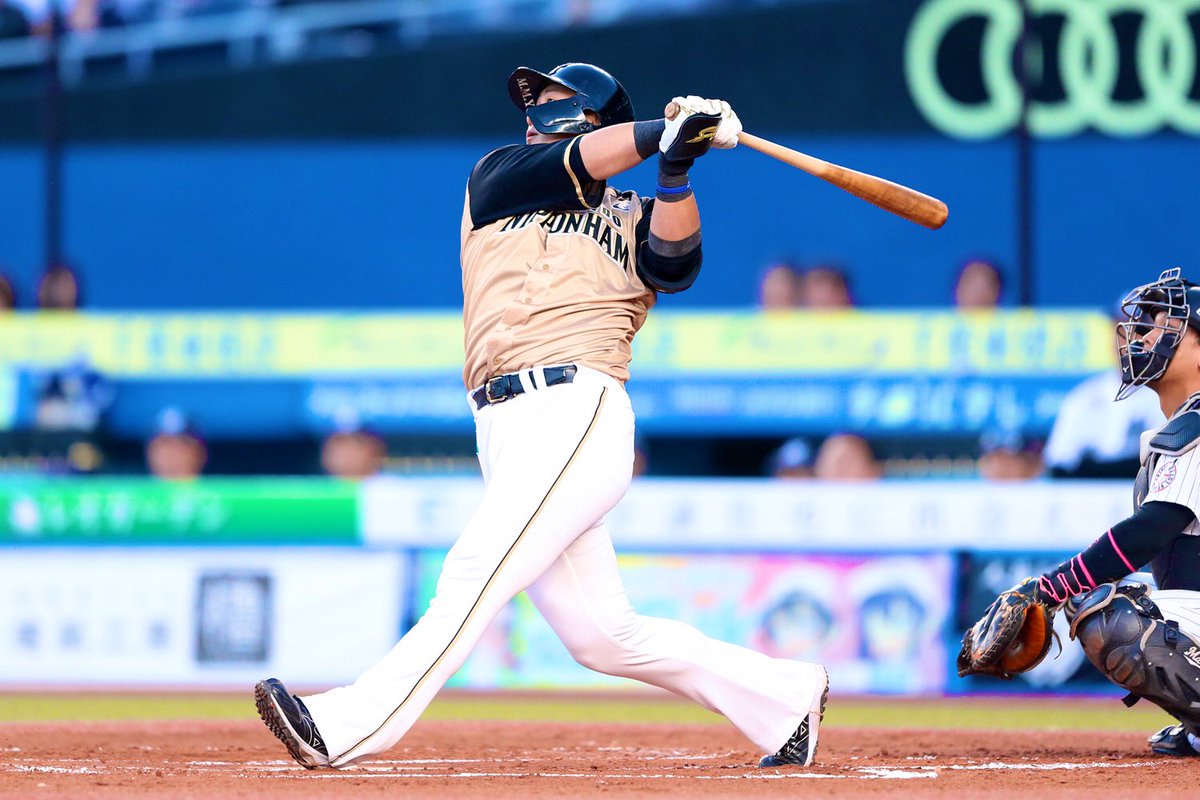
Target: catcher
[1146, 640]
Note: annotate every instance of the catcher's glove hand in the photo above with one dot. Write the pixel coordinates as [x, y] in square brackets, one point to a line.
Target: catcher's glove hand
[1013, 636]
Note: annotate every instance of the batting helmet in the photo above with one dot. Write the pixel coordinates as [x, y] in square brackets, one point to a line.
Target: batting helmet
[595, 90]
[1169, 305]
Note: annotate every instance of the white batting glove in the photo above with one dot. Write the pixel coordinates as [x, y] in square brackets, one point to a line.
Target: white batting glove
[726, 137]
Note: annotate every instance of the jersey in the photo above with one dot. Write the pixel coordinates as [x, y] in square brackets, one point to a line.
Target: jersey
[1170, 473]
[550, 265]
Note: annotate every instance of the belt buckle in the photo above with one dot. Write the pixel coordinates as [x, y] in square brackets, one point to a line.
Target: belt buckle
[491, 398]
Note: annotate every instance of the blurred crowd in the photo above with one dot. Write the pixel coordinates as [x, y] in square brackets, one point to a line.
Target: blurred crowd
[1092, 437]
[19, 18]
[786, 285]
[71, 402]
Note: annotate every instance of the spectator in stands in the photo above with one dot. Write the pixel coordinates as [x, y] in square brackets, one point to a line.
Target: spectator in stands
[1096, 437]
[72, 398]
[826, 287]
[352, 451]
[58, 290]
[88, 15]
[13, 22]
[978, 286]
[177, 452]
[780, 287]
[37, 14]
[1008, 455]
[846, 457]
[8, 295]
[793, 459]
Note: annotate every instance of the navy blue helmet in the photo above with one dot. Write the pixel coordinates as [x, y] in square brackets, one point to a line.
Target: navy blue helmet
[595, 91]
[1169, 305]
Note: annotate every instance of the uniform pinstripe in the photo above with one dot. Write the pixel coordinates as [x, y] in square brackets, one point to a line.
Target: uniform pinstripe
[1176, 479]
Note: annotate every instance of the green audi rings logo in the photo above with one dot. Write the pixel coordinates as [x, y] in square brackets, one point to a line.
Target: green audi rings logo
[1089, 62]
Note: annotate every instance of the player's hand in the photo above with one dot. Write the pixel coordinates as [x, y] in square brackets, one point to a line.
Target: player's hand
[690, 133]
[726, 137]
[1013, 636]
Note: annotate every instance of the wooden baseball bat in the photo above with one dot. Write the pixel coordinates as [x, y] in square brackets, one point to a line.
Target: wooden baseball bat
[899, 200]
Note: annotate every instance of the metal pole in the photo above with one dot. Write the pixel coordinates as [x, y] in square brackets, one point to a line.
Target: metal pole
[1025, 165]
[53, 144]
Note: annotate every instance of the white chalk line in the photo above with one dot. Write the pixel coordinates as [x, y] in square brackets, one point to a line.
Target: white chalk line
[1066, 765]
[426, 768]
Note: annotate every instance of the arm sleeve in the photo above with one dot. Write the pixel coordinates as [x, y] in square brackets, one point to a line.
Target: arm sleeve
[664, 273]
[1120, 551]
[537, 177]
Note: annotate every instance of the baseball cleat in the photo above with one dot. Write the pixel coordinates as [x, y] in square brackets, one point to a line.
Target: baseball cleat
[288, 718]
[801, 748]
[1173, 740]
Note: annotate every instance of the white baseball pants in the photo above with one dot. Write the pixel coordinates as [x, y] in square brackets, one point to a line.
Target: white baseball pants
[555, 460]
[1181, 606]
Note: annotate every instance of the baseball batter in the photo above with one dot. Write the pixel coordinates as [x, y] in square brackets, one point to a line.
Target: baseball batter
[559, 271]
[1145, 640]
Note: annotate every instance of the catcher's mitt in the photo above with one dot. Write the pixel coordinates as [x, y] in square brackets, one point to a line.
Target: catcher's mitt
[1013, 636]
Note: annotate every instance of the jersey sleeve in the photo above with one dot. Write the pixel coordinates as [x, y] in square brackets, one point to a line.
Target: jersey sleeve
[537, 177]
[1176, 479]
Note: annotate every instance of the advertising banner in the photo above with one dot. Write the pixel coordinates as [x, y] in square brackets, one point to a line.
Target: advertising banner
[204, 512]
[199, 346]
[219, 616]
[878, 623]
[788, 516]
[696, 372]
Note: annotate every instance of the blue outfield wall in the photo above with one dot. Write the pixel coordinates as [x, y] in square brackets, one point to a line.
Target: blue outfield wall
[21, 215]
[338, 224]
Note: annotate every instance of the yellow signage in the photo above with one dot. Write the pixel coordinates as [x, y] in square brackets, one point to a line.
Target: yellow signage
[213, 346]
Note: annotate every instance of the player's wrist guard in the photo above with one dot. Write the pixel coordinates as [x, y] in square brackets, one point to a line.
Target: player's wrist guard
[646, 136]
[673, 183]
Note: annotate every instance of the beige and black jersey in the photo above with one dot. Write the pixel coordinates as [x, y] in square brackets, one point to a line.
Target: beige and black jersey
[552, 265]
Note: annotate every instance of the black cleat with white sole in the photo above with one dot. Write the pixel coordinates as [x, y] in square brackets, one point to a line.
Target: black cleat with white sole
[286, 716]
[1173, 741]
[801, 748]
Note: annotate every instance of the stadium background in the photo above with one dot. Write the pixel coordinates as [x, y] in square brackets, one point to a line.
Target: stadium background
[260, 204]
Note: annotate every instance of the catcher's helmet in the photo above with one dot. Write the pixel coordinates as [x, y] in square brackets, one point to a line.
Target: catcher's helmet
[1169, 305]
[595, 90]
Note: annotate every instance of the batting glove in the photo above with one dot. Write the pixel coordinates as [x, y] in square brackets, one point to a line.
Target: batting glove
[726, 137]
[689, 135]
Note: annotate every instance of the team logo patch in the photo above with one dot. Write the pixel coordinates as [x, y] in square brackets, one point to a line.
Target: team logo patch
[1164, 476]
[1192, 654]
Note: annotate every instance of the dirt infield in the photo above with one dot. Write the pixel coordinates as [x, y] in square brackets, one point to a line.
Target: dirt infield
[458, 759]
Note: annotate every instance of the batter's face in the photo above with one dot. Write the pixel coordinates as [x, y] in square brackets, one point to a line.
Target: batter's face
[551, 93]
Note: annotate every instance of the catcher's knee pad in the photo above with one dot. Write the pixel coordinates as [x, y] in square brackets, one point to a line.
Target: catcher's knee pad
[1126, 638]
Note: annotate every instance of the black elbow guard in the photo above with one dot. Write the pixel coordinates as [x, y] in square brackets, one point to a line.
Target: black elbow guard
[668, 274]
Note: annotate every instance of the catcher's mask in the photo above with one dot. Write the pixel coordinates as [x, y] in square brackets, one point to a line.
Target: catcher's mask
[595, 90]
[1169, 305]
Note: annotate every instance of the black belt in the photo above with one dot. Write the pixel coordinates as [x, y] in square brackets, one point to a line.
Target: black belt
[506, 387]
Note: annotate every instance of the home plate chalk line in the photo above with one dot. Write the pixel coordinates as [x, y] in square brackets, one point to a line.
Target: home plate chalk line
[454, 768]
